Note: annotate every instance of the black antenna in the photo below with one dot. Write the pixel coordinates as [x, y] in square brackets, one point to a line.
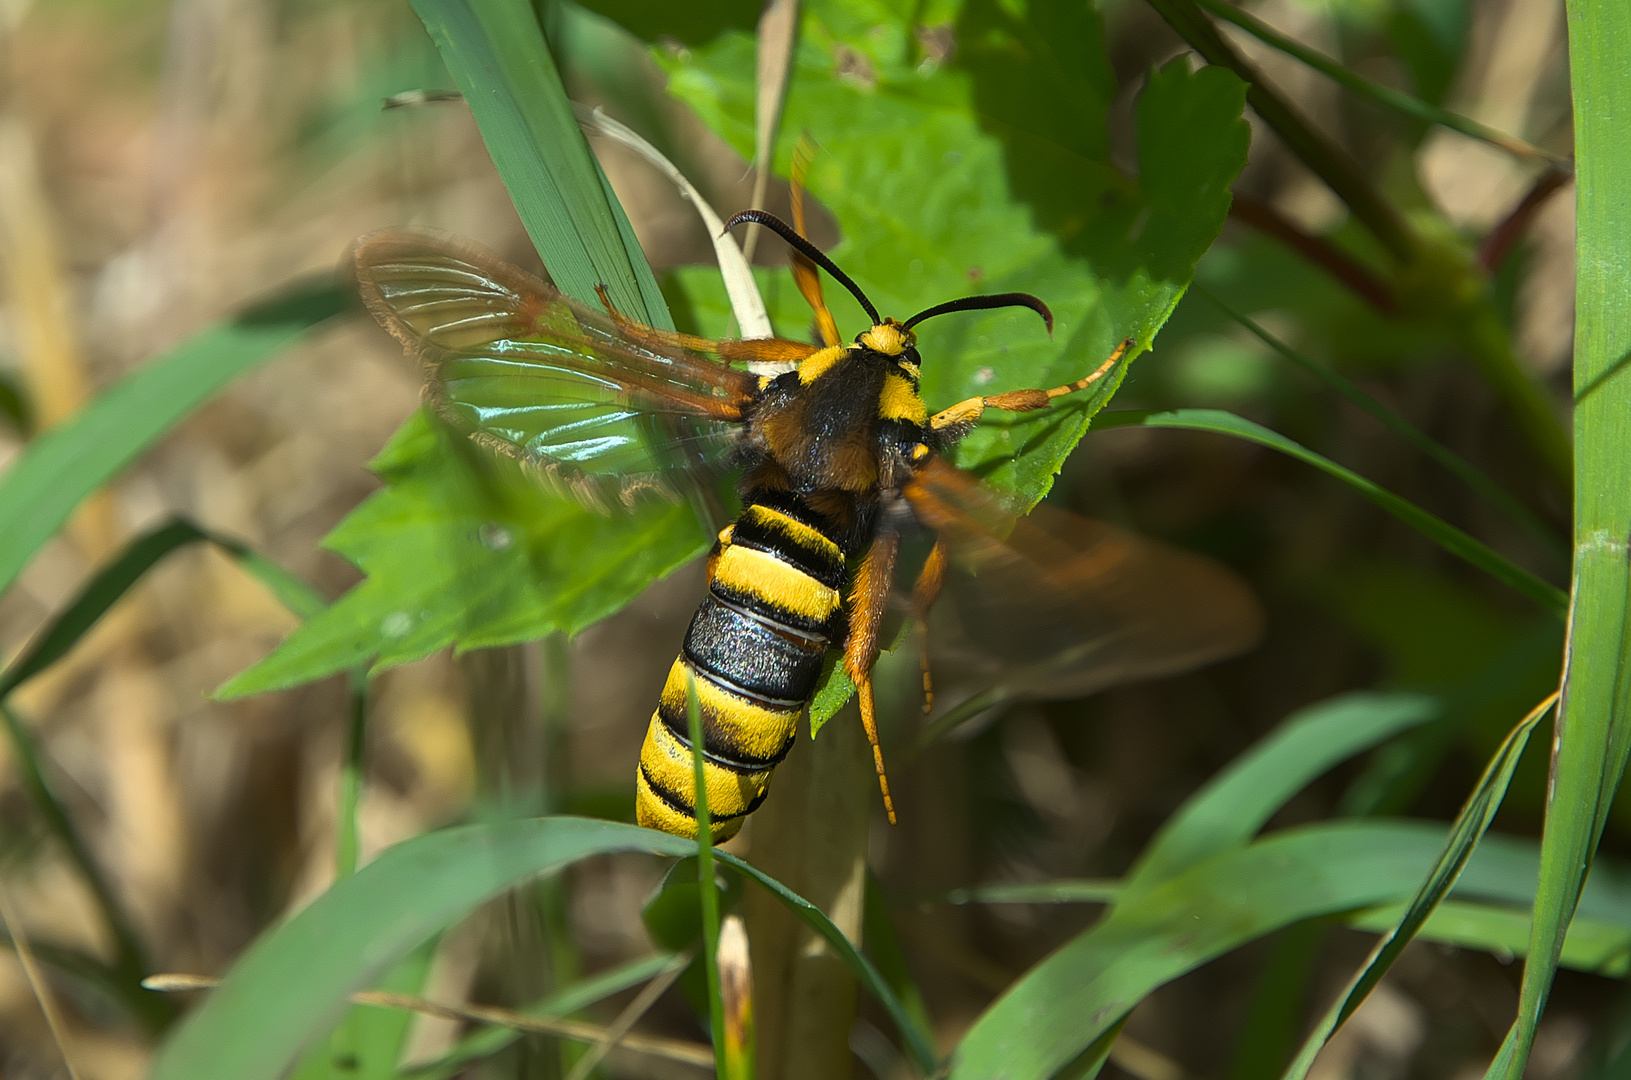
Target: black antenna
[982, 303]
[807, 249]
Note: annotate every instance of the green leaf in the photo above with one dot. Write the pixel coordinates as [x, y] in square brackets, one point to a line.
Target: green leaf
[917, 1044]
[463, 549]
[496, 53]
[1059, 1008]
[53, 642]
[296, 977]
[928, 211]
[1236, 803]
[58, 469]
[1465, 833]
[1434, 528]
[460, 550]
[113, 580]
[1593, 945]
[1589, 755]
[367, 1044]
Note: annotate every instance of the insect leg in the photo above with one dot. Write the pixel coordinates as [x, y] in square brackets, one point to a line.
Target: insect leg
[929, 581]
[765, 350]
[868, 599]
[804, 271]
[965, 413]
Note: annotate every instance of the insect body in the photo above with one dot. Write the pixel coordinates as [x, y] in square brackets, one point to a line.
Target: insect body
[838, 457]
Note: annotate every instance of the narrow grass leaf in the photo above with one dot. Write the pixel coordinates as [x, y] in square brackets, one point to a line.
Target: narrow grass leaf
[1067, 1002]
[1466, 831]
[746, 303]
[1466, 471]
[1386, 96]
[296, 978]
[1237, 802]
[130, 960]
[920, 1050]
[883, 946]
[1595, 946]
[1434, 528]
[58, 469]
[1589, 755]
[497, 54]
[58, 637]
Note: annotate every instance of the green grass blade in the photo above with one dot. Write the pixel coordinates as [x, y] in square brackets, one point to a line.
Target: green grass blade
[1589, 755]
[296, 978]
[1386, 96]
[920, 1050]
[496, 53]
[1059, 1008]
[60, 635]
[1469, 474]
[61, 467]
[1236, 803]
[348, 840]
[1596, 946]
[1466, 831]
[95, 597]
[705, 884]
[130, 960]
[883, 946]
[1438, 530]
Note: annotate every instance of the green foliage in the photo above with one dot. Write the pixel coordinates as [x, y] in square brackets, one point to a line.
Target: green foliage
[461, 548]
[368, 1043]
[1439, 531]
[59, 469]
[927, 203]
[1204, 886]
[432, 579]
[281, 991]
[1595, 728]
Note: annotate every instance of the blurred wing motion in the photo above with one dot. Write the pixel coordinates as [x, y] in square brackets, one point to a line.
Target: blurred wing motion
[1051, 605]
[604, 409]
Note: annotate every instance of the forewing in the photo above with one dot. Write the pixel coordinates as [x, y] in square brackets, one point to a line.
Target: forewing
[1050, 605]
[532, 374]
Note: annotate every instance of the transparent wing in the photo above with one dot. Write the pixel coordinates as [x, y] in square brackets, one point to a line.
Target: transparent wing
[1050, 605]
[602, 408]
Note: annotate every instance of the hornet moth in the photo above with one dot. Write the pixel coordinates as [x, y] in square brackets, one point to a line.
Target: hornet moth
[839, 458]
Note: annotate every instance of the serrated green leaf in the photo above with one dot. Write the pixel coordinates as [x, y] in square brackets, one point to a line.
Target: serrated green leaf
[460, 549]
[928, 212]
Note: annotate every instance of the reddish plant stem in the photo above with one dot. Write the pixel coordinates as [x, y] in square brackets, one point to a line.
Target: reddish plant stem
[1260, 215]
[1499, 243]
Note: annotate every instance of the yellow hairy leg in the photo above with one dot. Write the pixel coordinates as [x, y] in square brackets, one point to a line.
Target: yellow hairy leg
[967, 412]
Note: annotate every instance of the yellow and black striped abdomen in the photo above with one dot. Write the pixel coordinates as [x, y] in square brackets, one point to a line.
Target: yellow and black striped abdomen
[754, 652]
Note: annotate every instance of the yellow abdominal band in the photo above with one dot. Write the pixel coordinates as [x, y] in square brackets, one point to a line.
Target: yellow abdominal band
[734, 730]
[759, 574]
